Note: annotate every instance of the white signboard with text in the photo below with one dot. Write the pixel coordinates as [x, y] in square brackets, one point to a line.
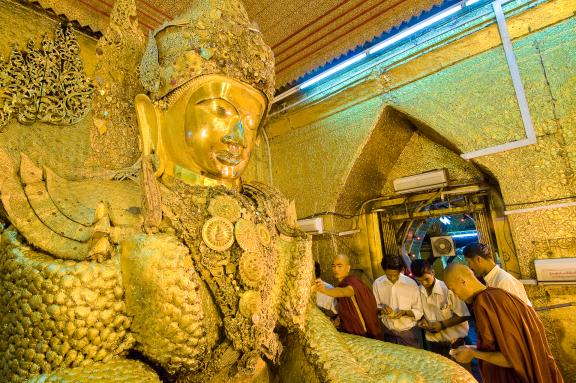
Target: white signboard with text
[558, 270]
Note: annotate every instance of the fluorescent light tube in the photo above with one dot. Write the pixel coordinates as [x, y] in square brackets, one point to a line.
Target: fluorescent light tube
[414, 29]
[333, 70]
[469, 235]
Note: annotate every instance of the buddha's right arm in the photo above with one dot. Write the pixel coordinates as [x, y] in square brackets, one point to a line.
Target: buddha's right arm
[344, 358]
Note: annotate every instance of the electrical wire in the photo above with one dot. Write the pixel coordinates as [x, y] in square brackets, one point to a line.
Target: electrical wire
[265, 134]
[331, 213]
[541, 201]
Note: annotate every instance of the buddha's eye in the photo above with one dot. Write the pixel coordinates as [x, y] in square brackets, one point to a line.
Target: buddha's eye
[219, 108]
[221, 111]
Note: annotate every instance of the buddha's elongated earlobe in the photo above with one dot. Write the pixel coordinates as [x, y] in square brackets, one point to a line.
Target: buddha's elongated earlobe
[150, 130]
[147, 122]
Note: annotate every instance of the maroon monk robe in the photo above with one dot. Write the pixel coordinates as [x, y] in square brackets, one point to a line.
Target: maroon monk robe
[504, 323]
[366, 304]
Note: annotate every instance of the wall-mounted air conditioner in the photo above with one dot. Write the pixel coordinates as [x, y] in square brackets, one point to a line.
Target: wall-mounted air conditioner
[312, 225]
[430, 180]
[443, 246]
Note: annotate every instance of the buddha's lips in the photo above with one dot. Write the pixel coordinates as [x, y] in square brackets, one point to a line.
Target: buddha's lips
[228, 158]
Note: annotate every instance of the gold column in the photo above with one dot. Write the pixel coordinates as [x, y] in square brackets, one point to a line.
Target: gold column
[506, 248]
[372, 230]
[389, 244]
[482, 221]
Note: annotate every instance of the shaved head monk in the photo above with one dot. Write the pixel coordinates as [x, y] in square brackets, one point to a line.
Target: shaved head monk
[356, 305]
[512, 346]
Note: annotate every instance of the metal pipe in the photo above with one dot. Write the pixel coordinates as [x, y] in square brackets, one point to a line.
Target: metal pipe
[537, 208]
[552, 307]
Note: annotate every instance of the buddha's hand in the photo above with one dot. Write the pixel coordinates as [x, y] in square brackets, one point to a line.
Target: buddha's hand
[463, 354]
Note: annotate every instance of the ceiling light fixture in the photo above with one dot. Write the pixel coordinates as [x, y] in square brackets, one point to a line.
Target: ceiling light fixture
[445, 220]
[467, 235]
[416, 28]
[331, 71]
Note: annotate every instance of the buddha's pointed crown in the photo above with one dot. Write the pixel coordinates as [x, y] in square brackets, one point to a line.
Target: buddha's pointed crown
[211, 37]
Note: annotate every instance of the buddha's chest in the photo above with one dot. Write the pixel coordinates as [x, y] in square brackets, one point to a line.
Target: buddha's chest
[231, 239]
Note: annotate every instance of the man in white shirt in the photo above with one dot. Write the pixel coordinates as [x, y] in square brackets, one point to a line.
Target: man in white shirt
[480, 261]
[446, 316]
[398, 301]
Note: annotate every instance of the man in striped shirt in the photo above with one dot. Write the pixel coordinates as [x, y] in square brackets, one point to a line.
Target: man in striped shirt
[445, 319]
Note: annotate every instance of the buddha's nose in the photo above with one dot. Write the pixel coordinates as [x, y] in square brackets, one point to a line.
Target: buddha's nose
[235, 135]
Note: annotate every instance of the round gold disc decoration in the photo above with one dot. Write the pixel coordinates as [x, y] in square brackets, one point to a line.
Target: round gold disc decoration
[251, 268]
[218, 233]
[263, 234]
[250, 303]
[226, 207]
[245, 232]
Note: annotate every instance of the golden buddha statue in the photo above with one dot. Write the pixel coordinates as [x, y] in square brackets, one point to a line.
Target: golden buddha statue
[189, 275]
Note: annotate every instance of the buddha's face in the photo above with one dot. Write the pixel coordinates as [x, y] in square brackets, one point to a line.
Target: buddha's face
[212, 128]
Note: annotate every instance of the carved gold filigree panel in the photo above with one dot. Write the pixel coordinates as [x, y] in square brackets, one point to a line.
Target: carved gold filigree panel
[45, 84]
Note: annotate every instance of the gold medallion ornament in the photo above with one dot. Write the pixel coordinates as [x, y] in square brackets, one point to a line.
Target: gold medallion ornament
[251, 268]
[263, 234]
[245, 232]
[217, 233]
[250, 303]
[226, 207]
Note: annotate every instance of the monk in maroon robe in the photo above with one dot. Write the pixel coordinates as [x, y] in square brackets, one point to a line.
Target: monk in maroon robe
[512, 345]
[356, 304]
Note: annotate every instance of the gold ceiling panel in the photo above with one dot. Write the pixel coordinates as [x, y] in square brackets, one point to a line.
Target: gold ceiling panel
[304, 35]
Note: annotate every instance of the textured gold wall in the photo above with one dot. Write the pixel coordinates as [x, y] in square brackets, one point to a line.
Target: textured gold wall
[18, 24]
[393, 149]
[366, 176]
[310, 165]
[41, 141]
[470, 105]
